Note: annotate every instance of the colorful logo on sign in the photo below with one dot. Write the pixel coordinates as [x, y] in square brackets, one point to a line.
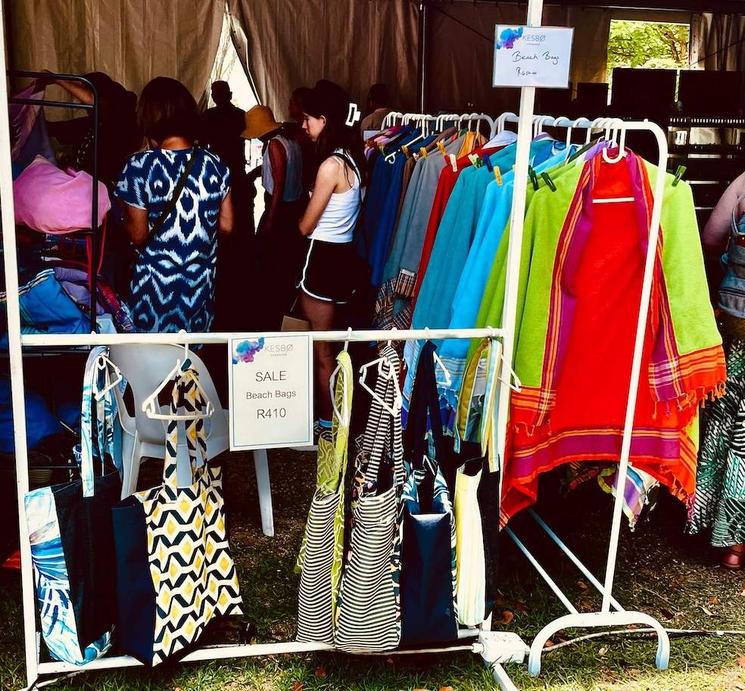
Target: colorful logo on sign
[508, 37]
[245, 351]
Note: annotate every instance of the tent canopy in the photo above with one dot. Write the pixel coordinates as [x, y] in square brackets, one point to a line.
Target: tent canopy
[284, 44]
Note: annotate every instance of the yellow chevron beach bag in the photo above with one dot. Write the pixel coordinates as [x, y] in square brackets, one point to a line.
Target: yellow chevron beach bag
[174, 567]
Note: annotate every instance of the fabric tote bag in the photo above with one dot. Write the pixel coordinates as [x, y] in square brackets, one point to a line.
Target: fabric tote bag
[428, 578]
[70, 530]
[322, 551]
[173, 563]
[369, 606]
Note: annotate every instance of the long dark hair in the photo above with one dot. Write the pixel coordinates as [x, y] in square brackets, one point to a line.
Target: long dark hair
[330, 101]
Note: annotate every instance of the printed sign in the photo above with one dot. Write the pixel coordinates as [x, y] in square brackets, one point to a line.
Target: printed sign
[532, 56]
[271, 392]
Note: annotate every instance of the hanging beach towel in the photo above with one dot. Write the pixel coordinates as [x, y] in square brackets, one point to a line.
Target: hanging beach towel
[369, 606]
[70, 530]
[322, 551]
[428, 575]
[174, 567]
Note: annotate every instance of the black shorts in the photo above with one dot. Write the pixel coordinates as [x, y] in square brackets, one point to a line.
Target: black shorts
[328, 272]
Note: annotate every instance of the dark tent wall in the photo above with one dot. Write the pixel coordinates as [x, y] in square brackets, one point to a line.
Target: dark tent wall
[286, 44]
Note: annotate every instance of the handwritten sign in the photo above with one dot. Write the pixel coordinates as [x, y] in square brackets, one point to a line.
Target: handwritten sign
[532, 56]
[271, 392]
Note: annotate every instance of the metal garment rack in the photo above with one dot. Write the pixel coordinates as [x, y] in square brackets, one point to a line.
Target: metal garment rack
[611, 613]
[93, 107]
[495, 647]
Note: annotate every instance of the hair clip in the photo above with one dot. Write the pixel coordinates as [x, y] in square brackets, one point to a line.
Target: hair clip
[353, 114]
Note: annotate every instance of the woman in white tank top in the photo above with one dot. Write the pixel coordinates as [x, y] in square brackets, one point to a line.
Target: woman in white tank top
[330, 271]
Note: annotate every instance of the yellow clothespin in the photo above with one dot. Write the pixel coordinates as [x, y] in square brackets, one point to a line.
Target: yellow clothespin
[441, 147]
[423, 151]
[405, 149]
[498, 175]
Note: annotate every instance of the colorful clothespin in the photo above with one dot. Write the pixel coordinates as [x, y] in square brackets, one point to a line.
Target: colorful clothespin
[405, 149]
[453, 162]
[547, 179]
[423, 151]
[497, 175]
[533, 177]
[474, 159]
[441, 147]
[679, 174]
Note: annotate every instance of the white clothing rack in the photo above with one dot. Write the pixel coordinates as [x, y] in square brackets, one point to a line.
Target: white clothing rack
[496, 648]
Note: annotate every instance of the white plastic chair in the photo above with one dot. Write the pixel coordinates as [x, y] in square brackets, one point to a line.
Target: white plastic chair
[145, 367]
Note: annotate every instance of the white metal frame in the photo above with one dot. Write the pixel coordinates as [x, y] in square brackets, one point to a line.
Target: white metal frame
[496, 648]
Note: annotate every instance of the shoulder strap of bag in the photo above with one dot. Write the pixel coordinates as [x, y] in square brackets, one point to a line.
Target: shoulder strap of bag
[185, 395]
[425, 406]
[177, 190]
[98, 410]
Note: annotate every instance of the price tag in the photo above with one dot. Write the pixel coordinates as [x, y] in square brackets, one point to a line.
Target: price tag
[532, 56]
[271, 392]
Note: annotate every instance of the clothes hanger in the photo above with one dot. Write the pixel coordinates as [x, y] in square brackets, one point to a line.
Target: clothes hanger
[390, 374]
[448, 381]
[151, 407]
[104, 363]
[343, 419]
[620, 139]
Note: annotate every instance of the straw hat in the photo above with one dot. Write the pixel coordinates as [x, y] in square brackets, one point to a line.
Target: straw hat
[259, 121]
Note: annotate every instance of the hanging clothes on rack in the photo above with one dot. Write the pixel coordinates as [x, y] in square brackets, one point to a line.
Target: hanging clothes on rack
[584, 250]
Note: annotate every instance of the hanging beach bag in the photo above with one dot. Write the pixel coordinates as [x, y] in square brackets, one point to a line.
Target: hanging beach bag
[322, 551]
[428, 554]
[369, 607]
[477, 487]
[70, 530]
[173, 563]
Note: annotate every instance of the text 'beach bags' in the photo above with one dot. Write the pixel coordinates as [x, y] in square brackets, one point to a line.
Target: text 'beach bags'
[174, 567]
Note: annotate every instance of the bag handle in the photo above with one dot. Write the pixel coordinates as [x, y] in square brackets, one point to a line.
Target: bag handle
[188, 395]
[425, 404]
[391, 433]
[97, 372]
[177, 190]
[343, 393]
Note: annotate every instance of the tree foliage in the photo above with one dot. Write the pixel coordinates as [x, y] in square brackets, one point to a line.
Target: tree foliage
[647, 44]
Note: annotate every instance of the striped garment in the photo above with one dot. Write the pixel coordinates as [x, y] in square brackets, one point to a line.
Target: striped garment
[369, 607]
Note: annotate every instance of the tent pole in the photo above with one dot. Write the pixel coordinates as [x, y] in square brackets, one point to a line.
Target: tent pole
[422, 57]
[522, 159]
[15, 353]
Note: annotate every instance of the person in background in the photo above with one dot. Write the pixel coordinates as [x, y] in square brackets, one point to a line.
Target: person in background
[118, 135]
[176, 197]
[221, 133]
[279, 250]
[378, 106]
[329, 273]
[222, 129]
[718, 506]
[295, 109]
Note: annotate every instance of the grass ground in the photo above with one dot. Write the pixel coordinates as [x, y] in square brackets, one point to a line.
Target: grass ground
[672, 577]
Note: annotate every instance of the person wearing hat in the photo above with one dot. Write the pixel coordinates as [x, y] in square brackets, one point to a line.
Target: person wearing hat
[279, 251]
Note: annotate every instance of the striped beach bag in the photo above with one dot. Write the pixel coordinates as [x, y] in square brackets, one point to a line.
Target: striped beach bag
[322, 551]
[369, 607]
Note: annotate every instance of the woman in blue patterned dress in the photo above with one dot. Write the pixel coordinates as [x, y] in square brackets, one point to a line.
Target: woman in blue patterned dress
[173, 281]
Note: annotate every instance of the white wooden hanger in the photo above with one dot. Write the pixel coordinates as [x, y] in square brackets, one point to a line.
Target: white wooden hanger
[104, 363]
[390, 374]
[151, 407]
[448, 379]
[343, 419]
